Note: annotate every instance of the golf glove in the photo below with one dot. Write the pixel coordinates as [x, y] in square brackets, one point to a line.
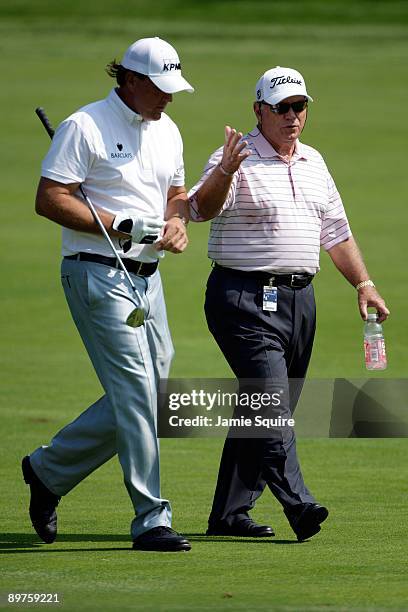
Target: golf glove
[141, 229]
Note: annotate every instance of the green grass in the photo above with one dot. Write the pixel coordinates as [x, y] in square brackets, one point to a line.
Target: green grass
[356, 564]
[354, 56]
[218, 11]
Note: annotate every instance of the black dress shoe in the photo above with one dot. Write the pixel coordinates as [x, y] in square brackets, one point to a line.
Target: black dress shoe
[246, 528]
[161, 539]
[42, 504]
[305, 519]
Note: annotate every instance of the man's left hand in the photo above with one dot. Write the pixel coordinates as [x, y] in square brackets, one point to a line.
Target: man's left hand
[369, 296]
[174, 238]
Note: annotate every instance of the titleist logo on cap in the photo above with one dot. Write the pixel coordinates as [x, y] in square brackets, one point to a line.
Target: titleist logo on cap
[281, 80]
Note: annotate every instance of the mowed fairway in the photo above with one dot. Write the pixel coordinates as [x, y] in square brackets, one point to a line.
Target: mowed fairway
[356, 71]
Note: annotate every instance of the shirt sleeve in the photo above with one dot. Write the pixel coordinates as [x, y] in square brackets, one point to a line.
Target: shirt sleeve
[211, 164]
[69, 157]
[335, 225]
[178, 179]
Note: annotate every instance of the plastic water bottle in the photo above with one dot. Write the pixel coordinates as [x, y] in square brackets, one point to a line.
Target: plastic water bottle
[374, 345]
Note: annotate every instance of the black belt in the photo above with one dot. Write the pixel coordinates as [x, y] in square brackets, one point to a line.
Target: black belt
[140, 268]
[296, 281]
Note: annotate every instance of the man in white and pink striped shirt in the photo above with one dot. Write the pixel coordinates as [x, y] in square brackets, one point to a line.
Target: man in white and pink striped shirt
[272, 204]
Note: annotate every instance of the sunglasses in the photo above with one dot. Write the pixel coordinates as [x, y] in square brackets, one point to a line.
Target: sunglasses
[284, 107]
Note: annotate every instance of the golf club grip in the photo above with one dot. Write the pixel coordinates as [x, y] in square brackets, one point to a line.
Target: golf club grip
[45, 121]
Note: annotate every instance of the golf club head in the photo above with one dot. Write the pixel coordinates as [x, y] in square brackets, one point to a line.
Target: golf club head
[136, 318]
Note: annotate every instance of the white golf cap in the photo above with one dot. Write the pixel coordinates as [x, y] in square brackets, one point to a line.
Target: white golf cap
[159, 61]
[279, 83]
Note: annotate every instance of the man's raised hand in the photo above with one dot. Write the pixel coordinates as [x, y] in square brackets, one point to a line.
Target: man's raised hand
[234, 152]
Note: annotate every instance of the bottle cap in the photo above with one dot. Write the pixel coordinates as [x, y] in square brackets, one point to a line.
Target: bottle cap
[372, 316]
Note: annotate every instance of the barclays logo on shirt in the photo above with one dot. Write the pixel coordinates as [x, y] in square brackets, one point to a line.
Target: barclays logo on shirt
[121, 155]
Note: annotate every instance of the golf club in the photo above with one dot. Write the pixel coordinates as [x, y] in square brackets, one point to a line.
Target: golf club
[136, 317]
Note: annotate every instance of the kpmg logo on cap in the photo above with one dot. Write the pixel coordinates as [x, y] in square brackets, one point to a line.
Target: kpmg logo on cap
[282, 80]
[171, 64]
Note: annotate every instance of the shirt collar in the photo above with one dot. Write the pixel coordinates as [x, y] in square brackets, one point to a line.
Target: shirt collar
[265, 149]
[121, 108]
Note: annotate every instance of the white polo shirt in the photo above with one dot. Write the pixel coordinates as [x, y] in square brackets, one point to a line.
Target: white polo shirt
[123, 162]
[277, 214]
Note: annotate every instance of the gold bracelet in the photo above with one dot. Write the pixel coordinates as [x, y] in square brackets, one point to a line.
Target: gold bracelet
[225, 173]
[366, 283]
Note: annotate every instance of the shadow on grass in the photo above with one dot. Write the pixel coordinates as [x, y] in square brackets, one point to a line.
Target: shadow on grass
[201, 537]
[27, 540]
[30, 543]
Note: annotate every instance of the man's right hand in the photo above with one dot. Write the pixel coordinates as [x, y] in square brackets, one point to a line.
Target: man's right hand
[233, 153]
[211, 196]
[141, 229]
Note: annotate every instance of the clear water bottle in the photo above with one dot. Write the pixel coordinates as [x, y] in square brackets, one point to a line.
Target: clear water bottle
[374, 345]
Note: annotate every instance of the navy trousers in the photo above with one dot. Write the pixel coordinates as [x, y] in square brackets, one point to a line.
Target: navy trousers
[258, 344]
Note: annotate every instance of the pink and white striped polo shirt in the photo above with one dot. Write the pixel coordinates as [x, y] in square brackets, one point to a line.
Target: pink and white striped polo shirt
[277, 214]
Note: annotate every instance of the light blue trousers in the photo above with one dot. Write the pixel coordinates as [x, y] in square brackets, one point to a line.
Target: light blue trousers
[129, 363]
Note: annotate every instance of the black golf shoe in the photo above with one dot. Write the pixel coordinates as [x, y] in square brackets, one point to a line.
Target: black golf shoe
[246, 528]
[42, 504]
[305, 519]
[161, 539]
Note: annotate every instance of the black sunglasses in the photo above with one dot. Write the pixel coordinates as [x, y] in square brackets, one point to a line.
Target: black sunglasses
[283, 107]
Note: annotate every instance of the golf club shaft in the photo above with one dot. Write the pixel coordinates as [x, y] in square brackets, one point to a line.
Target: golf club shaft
[108, 238]
[46, 123]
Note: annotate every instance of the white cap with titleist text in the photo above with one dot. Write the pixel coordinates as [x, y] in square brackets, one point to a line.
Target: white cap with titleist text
[159, 61]
[279, 83]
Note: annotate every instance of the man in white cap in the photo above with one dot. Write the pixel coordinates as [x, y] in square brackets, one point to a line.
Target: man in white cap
[273, 204]
[128, 154]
